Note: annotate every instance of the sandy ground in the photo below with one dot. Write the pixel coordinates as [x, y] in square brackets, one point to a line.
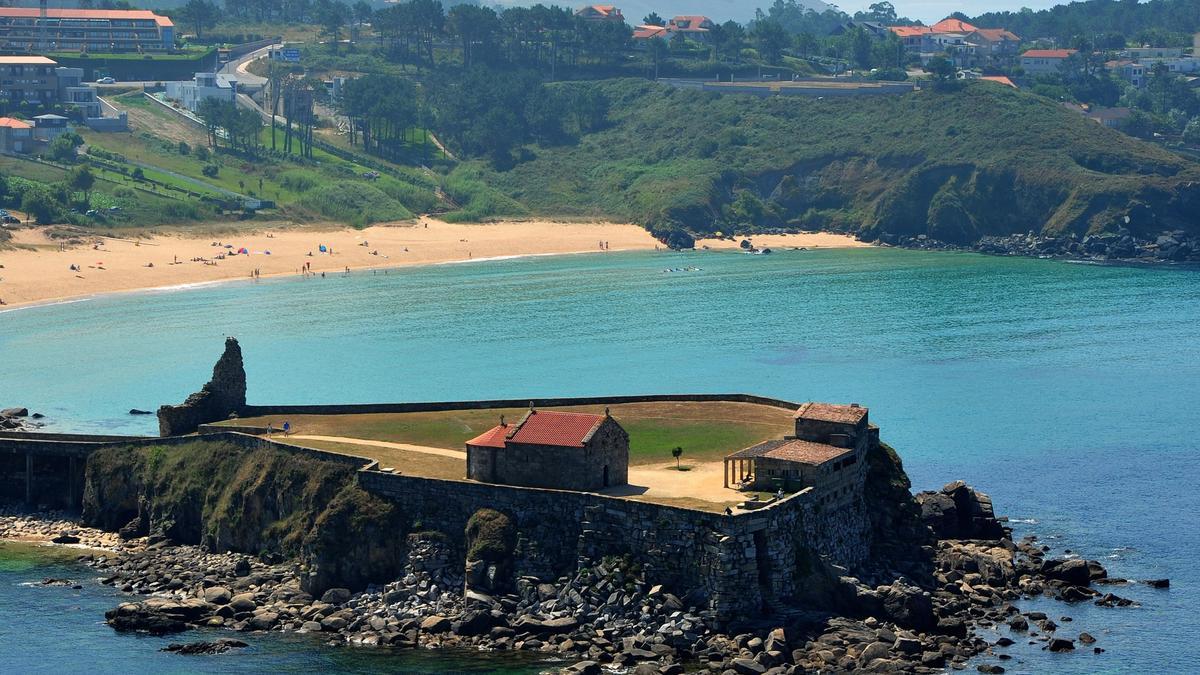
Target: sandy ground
[40, 272]
[703, 481]
[804, 240]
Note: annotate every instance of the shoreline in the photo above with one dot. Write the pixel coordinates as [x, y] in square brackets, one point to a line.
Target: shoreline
[39, 271]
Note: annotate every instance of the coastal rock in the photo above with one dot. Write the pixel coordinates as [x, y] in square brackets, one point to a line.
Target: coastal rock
[222, 396]
[336, 596]
[1061, 645]
[959, 512]
[14, 412]
[139, 617]
[65, 539]
[218, 646]
[217, 595]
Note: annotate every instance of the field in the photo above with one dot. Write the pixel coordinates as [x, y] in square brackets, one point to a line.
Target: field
[706, 431]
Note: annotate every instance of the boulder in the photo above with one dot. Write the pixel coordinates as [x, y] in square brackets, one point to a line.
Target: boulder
[436, 624]
[959, 512]
[218, 646]
[14, 412]
[243, 602]
[1062, 645]
[140, 617]
[65, 539]
[336, 596]
[217, 595]
[908, 606]
[747, 667]
[1073, 571]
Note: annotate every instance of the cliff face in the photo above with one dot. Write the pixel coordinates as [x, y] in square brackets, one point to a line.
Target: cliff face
[230, 498]
[223, 395]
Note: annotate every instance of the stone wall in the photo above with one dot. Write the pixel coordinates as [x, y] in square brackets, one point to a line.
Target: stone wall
[734, 565]
[435, 406]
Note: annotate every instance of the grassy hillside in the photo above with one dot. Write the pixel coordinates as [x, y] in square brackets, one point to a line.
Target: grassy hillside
[955, 165]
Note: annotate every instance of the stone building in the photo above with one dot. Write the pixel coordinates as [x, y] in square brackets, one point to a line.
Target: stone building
[827, 453]
[548, 449]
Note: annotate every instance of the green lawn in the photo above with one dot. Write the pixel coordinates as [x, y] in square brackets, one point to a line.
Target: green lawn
[706, 431]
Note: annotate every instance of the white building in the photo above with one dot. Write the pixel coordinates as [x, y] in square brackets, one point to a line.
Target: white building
[203, 86]
[1048, 61]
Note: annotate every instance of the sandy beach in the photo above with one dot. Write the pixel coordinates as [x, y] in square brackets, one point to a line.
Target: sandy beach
[781, 241]
[39, 269]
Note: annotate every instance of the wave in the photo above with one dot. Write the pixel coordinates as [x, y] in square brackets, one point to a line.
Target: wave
[52, 303]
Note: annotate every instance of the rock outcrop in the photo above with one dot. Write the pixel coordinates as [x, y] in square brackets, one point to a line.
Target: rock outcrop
[959, 512]
[224, 395]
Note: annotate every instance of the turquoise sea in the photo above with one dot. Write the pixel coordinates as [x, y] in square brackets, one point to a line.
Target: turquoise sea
[1069, 392]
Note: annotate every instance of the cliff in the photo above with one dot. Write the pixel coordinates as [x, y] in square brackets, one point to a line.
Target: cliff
[256, 501]
[956, 166]
[220, 397]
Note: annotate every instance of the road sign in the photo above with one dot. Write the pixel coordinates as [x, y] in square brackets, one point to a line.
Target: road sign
[290, 55]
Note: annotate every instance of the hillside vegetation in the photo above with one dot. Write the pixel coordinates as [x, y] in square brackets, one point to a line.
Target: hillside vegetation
[955, 165]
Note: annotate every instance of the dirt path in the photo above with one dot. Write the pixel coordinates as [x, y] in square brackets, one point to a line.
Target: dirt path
[456, 454]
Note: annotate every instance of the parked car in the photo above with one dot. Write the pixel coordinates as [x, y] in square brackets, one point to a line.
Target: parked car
[11, 220]
[106, 80]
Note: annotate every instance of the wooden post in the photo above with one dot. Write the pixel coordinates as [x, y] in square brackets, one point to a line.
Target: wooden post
[29, 479]
[725, 471]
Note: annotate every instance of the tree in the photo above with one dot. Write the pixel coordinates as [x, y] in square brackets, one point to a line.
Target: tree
[475, 27]
[880, 12]
[62, 149]
[677, 452]
[1191, 133]
[201, 14]
[770, 38]
[941, 69]
[331, 16]
[38, 202]
[653, 19]
[81, 179]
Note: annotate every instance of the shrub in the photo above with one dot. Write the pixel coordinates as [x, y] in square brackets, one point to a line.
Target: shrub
[137, 173]
[210, 170]
[184, 148]
[202, 153]
[299, 180]
[355, 203]
[491, 536]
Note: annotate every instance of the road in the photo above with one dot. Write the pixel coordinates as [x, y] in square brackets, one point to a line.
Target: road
[237, 68]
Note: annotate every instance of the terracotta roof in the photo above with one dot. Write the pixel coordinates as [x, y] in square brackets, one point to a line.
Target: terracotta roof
[13, 123]
[1048, 53]
[801, 452]
[999, 79]
[910, 31]
[27, 61]
[953, 26]
[492, 438]
[647, 32]
[689, 23]
[547, 427]
[830, 412]
[997, 34]
[807, 452]
[33, 12]
[606, 11]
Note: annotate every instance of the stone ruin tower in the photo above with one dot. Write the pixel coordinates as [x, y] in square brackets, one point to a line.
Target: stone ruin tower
[224, 395]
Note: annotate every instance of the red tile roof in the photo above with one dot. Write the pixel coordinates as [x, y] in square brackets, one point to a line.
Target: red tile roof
[829, 412]
[689, 23]
[801, 452]
[910, 31]
[999, 79]
[546, 427]
[807, 452]
[953, 26]
[647, 32]
[33, 12]
[1048, 53]
[997, 34]
[13, 123]
[492, 438]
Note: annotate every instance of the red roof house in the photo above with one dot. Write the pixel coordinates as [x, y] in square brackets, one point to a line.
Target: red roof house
[551, 449]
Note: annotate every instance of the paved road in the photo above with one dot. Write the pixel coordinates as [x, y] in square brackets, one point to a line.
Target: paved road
[237, 69]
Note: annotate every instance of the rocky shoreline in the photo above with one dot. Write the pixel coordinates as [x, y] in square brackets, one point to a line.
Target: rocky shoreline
[1175, 247]
[609, 615]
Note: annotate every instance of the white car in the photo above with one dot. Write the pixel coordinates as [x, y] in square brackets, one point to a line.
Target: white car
[106, 80]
